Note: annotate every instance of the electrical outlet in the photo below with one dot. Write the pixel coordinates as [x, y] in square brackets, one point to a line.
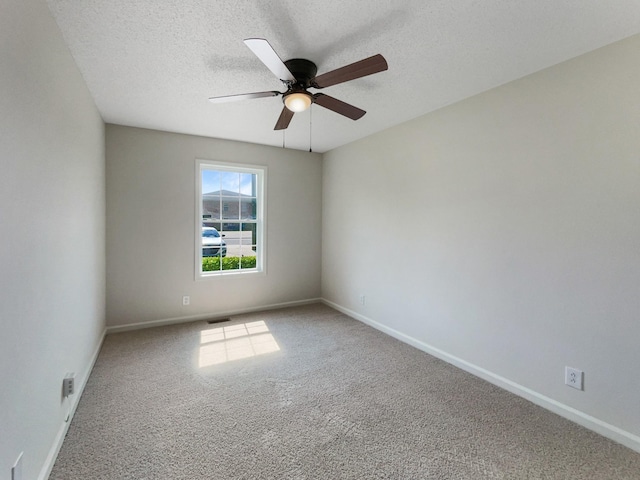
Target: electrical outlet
[16, 470]
[186, 300]
[68, 384]
[573, 377]
[363, 299]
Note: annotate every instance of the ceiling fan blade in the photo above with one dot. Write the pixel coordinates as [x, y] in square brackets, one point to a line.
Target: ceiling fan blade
[284, 120]
[338, 106]
[365, 67]
[267, 55]
[243, 96]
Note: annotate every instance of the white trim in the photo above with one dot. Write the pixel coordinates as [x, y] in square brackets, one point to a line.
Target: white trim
[202, 316]
[605, 429]
[45, 471]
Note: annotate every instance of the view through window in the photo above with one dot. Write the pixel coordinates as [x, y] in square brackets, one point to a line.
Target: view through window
[230, 219]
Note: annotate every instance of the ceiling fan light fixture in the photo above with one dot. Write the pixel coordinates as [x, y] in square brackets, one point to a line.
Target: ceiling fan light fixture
[299, 74]
[297, 102]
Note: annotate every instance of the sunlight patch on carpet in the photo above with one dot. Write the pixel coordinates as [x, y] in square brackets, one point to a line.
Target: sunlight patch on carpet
[234, 342]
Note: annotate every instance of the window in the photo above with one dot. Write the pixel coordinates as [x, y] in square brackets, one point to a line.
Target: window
[230, 219]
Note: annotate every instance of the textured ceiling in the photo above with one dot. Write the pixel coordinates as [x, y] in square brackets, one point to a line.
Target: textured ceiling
[154, 64]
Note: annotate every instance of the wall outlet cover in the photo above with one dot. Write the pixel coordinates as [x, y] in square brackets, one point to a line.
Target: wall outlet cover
[68, 384]
[573, 377]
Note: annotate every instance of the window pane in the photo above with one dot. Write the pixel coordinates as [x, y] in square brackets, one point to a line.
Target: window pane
[231, 238]
[248, 209]
[210, 181]
[248, 184]
[249, 236]
[231, 183]
[211, 264]
[231, 263]
[231, 208]
[211, 206]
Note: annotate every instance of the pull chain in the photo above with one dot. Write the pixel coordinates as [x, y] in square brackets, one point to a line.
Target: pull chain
[310, 123]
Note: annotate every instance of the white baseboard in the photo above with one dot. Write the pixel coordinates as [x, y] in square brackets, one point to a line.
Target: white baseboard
[62, 432]
[202, 316]
[603, 428]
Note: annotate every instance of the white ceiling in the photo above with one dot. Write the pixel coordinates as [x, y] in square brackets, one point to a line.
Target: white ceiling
[154, 63]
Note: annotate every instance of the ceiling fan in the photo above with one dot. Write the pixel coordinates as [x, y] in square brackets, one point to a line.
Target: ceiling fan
[298, 75]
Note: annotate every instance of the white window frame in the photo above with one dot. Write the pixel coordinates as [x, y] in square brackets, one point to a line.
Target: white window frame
[261, 208]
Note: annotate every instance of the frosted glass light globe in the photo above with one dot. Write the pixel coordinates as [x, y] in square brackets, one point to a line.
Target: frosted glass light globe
[297, 102]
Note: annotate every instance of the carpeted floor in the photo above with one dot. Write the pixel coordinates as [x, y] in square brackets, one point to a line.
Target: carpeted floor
[308, 393]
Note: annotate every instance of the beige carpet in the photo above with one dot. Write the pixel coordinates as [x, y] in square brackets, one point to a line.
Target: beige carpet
[308, 393]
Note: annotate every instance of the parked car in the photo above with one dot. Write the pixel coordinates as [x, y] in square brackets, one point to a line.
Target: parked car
[212, 243]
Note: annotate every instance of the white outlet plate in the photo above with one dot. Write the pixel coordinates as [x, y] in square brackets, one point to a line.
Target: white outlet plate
[363, 299]
[186, 300]
[68, 384]
[573, 377]
[16, 470]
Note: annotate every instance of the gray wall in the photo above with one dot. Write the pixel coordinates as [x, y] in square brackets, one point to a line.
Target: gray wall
[504, 231]
[52, 215]
[151, 227]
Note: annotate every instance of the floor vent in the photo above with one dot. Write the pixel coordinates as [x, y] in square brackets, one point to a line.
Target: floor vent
[218, 320]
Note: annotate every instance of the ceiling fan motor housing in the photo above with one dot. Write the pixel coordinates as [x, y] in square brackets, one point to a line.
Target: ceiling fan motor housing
[303, 70]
